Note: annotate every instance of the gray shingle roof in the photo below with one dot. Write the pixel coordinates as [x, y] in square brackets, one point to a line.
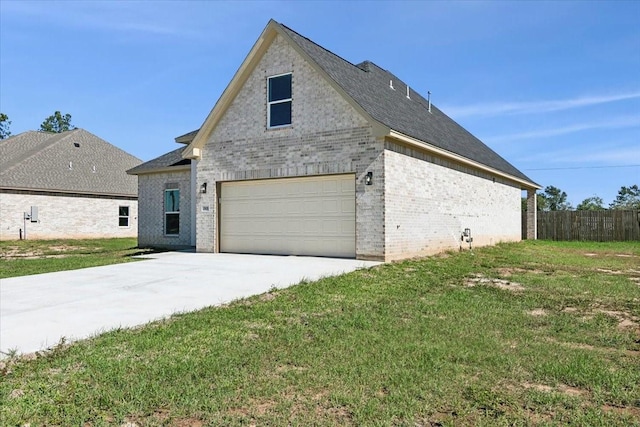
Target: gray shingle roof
[368, 85]
[75, 161]
[171, 159]
[187, 137]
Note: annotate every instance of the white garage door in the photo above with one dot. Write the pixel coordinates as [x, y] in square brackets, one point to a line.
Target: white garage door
[289, 216]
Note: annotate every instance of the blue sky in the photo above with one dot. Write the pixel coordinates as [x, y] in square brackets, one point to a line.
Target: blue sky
[554, 87]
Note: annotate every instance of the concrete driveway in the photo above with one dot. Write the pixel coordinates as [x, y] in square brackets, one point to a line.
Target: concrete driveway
[37, 311]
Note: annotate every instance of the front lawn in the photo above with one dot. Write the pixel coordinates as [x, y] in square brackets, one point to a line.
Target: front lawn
[25, 257]
[534, 333]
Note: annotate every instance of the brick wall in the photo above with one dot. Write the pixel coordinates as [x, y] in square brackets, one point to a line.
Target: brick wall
[327, 136]
[430, 201]
[151, 196]
[65, 216]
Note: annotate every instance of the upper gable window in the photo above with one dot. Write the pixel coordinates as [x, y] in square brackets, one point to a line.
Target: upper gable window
[279, 101]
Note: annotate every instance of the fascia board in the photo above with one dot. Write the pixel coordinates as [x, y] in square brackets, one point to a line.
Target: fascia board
[162, 170]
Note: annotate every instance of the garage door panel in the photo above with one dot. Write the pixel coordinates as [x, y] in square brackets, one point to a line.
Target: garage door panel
[300, 216]
[348, 206]
[330, 187]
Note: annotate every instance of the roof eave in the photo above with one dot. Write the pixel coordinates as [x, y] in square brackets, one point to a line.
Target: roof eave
[160, 170]
[187, 138]
[55, 190]
[424, 146]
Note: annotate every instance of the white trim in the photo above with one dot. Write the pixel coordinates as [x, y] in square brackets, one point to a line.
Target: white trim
[128, 216]
[165, 169]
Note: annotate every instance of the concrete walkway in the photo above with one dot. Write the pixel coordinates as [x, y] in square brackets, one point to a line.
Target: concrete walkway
[37, 311]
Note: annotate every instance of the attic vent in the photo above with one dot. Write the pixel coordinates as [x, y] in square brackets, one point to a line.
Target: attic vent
[408, 92]
[70, 165]
[391, 85]
[93, 169]
[76, 144]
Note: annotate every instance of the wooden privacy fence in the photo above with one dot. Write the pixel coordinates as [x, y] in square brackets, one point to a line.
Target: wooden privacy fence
[599, 226]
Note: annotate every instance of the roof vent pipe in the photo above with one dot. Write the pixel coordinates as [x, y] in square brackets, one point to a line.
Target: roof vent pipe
[391, 85]
[408, 92]
[429, 99]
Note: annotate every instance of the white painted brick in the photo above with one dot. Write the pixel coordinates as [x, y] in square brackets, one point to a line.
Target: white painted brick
[65, 216]
[429, 205]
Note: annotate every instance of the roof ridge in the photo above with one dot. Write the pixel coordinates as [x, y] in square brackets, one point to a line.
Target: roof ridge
[321, 47]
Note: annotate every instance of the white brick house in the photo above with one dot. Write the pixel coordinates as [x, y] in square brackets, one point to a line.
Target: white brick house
[307, 154]
[67, 185]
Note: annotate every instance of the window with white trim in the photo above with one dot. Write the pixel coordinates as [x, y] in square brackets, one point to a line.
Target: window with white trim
[279, 101]
[123, 216]
[172, 212]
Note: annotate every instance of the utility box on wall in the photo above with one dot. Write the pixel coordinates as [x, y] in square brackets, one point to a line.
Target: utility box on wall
[33, 216]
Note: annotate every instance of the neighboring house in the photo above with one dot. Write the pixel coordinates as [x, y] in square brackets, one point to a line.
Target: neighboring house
[66, 185]
[307, 154]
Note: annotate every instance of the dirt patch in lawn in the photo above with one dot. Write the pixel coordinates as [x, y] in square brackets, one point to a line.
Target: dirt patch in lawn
[625, 320]
[508, 271]
[481, 280]
[560, 388]
[57, 251]
[632, 411]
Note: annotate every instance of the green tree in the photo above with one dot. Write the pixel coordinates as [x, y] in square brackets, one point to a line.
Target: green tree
[627, 198]
[4, 126]
[593, 203]
[554, 199]
[57, 123]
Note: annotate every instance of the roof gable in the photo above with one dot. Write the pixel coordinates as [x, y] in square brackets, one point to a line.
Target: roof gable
[367, 88]
[248, 65]
[75, 161]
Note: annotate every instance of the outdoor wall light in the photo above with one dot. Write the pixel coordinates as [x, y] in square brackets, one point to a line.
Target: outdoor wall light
[368, 178]
[203, 188]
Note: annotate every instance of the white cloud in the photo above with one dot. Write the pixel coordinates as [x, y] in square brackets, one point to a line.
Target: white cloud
[600, 154]
[504, 108]
[128, 17]
[616, 123]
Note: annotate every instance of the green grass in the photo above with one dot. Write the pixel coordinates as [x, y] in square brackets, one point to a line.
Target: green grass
[425, 342]
[25, 257]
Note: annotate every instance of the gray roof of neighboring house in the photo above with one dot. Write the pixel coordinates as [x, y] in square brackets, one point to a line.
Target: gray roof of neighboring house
[368, 85]
[75, 161]
[171, 159]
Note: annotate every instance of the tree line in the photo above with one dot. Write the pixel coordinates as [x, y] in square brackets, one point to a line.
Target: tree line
[554, 199]
[55, 123]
